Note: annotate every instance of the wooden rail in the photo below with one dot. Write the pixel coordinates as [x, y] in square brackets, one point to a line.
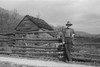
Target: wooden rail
[36, 39]
[38, 53]
[88, 54]
[20, 46]
[4, 40]
[85, 59]
[35, 32]
[86, 44]
[85, 48]
[41, 50]
[39, 40]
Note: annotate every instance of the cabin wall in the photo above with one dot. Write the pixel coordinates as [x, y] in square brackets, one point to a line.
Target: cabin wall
[39, 35]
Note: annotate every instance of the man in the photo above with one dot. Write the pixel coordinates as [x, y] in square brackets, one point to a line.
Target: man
[68, 35]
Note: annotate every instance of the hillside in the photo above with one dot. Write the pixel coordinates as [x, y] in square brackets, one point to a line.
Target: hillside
[85, 34]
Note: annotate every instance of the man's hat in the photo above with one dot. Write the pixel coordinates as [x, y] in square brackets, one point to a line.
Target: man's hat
[68, 23]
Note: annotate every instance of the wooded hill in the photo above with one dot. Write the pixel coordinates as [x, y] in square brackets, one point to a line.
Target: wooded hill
[8, 20]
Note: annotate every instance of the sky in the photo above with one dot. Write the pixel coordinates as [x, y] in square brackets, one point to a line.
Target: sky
[83, 14]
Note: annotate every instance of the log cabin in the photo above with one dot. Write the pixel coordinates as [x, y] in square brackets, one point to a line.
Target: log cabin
[29, 24]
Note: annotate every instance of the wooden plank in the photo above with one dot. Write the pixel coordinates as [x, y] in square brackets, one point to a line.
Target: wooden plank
[36, 39]
[56, 40]
[35, 32]
[5, 46]
[87, 55]
[4, 37]
[85, 59]
[85, 48]
[38, 57]
[7, 34]
[4, 41]
[5, 52]
[29, 47]
[32, 53]
[39, 53]
[42, 42]
[76, 53]
[41, 50]
[84, 44]
[33, 47]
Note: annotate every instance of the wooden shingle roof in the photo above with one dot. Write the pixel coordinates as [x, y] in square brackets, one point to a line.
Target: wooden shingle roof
[38, 22]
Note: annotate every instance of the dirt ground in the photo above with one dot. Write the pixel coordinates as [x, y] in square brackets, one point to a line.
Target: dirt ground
[22, 62]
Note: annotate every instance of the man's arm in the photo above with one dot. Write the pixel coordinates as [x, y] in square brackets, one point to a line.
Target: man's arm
[73, 33]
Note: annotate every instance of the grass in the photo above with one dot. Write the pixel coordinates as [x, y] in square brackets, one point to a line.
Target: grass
[82, 48]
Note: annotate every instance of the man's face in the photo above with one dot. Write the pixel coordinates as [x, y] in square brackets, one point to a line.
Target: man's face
[67, 26]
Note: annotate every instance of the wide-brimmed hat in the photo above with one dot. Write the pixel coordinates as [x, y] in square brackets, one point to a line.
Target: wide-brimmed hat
[69, 23]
